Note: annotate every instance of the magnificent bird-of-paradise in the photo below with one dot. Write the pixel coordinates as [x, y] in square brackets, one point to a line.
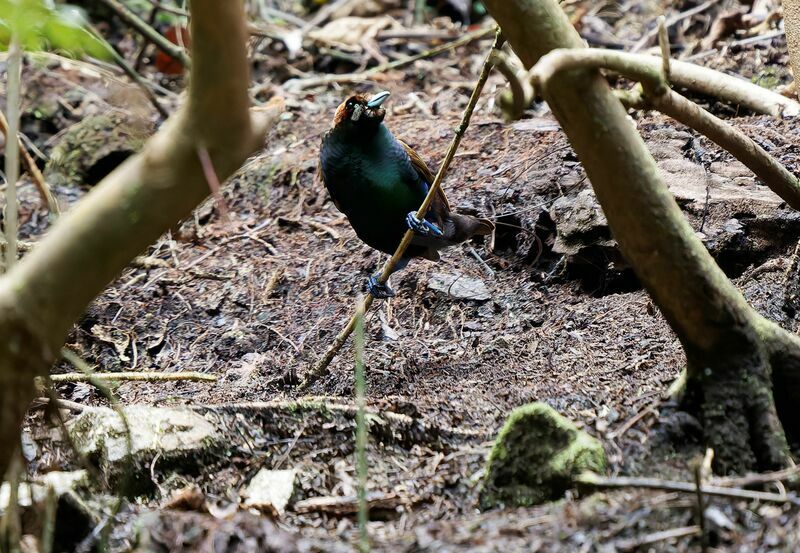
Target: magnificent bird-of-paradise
[378, 182]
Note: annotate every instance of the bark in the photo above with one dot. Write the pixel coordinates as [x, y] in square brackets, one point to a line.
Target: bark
[729, 361]
[791, 20]
[49, 289]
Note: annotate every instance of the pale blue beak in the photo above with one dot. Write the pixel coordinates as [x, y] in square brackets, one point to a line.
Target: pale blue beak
[378, 99]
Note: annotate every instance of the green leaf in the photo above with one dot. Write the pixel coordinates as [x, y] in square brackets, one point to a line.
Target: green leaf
[38, 24]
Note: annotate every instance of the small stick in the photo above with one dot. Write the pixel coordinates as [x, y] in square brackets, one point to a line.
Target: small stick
[663, 42]
[597, 481]
[134, 377]
[361, 432]
[41, 402]
[655, 537]
[326, 12]
[213, 183]
[697, 471]
[131, 73]
[11, 222]
[648, 36]
[301, 84]
[760, 478]
[48, 200]
[172, 50]
[320, 369]
[169, 9]
[642, 67]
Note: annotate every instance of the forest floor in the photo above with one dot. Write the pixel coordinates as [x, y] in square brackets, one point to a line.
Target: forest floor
[256, 298]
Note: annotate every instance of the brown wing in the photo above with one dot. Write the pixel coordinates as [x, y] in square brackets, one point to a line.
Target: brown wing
[321, 178]
[426, 174]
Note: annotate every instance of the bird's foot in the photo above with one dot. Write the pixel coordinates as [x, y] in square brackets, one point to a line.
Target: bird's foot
[378, 290]
[423, 227]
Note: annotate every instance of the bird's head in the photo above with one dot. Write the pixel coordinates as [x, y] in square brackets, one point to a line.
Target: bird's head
[359, 112]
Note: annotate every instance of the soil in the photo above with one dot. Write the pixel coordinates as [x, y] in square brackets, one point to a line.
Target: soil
[257, 298]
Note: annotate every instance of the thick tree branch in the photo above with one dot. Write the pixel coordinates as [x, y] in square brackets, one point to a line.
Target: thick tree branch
[45, 293]
[683, 74]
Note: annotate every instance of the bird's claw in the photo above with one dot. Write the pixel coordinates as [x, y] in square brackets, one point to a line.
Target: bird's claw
[378, 290]
[423, 227]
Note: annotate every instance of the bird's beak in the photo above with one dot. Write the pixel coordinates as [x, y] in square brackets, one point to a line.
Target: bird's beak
[378, 99]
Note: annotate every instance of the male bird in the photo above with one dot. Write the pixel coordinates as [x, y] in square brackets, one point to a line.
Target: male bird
[378, 182]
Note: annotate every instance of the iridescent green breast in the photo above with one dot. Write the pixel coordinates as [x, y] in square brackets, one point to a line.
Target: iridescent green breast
[373, 183]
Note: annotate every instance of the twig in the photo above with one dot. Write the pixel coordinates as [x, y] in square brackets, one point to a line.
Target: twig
[172, 50]
[663, 43]
[131, 73]
[10, 221]
[596, 481]
[275, 13]
[682, 74]
[169, 9]
[59, 403]
[651, 34]
[416, 35]
[480, 260]
[648, 410]
[361, 432]
[48, 200]
[348, 504]
[300, 84]
[655, 537]
[761, 478]
[320, 369]
[701, 507]
[213, 183]
[326, 12]
[135, 377]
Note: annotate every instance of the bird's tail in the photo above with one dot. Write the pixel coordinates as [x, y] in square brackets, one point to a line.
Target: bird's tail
[483, 227]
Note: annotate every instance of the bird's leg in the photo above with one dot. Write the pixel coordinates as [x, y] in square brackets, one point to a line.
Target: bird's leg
[383, 291]
[423, 227]
[378, 290]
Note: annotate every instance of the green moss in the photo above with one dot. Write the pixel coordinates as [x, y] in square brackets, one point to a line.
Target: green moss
[770, 78]
[91, 149]
[535, 456]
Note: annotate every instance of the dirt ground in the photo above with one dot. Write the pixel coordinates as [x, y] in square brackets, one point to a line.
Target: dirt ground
[256, 299]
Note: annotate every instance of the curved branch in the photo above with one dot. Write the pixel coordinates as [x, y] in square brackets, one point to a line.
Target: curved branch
[50, 288]
[659, 96]
[648, 69]
[742, 147]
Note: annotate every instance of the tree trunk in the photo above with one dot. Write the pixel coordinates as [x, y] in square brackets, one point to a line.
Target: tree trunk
[730, 349]
[49, 289]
